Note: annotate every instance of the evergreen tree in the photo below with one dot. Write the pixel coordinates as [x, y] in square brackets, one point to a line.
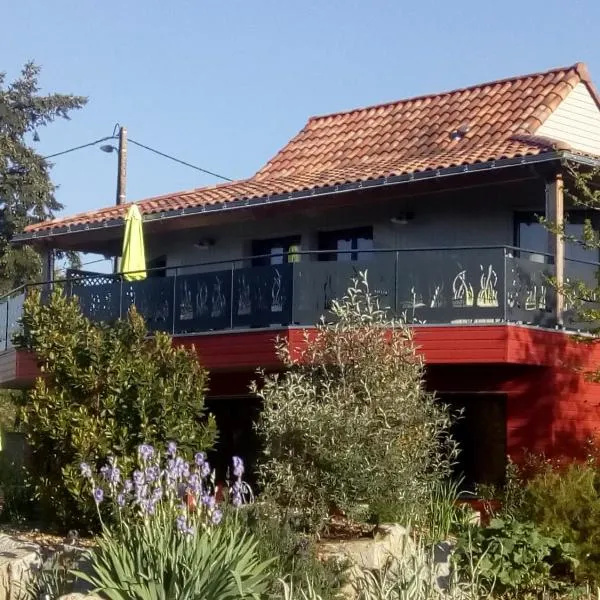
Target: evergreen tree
[26, 190]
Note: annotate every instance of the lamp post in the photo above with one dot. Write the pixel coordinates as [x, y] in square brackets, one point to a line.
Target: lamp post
[121, 171]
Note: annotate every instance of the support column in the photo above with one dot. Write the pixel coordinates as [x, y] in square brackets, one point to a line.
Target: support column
[555, 214]
[47, 255]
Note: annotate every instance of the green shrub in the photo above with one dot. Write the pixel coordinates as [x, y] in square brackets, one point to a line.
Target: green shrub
[514, 557]
[54, 579]
[296, 560]
[565, 502]
[348, 427]
[106, 388]
[17, 495]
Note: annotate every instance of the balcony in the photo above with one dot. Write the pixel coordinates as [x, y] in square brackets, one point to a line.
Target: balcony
[445, 286]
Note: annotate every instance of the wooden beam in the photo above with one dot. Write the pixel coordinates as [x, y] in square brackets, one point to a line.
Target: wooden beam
[47, 254]
[555, 213]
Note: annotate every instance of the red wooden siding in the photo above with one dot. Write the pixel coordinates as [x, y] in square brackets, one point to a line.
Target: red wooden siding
[550, 409]
[236, 350]
[486, 344]
[550, 405]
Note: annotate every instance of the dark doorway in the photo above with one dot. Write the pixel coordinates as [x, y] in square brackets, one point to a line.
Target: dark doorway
[235, 418]
[276, 251]
[345, 241]
[480, 431]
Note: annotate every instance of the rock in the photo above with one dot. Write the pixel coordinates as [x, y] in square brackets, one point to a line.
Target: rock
[370, 553]
[18, 562]
[79, 597]
[392, 542]
[442, 553]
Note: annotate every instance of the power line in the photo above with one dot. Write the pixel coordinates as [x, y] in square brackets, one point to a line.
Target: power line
[78, 147]
[93, 262]
[178, 160]
[163, 154]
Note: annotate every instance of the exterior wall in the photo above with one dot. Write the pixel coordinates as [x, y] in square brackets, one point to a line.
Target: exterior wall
[575, 121]
[552, 410]
[464, 218]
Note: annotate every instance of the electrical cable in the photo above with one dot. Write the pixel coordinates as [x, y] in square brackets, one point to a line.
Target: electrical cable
[93, 262]
[78, 147]
[154, 150]
[178, 160]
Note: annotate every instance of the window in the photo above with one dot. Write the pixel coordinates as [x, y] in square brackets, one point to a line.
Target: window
[276, 251]
[157, 267]
[351, 244]
[531, 235]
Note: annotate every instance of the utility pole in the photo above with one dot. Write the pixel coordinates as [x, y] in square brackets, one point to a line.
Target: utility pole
[121, 180]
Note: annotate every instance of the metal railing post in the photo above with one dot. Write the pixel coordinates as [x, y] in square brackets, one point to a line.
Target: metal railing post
[121, 298]
[174, 301]
[293, 294]
[231, 296]
[505, 291]
[6, 326]
[396, 267]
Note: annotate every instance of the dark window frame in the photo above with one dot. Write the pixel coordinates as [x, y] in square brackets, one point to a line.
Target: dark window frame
[263, 249]
[157, 267]
[574, 216]
[328, 241]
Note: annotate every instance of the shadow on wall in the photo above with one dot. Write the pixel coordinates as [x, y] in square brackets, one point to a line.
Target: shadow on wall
[551, 406]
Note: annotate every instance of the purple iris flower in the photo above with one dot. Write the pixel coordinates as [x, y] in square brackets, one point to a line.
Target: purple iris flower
[172, 449]
[98, 495]
[146, 452]
[238, 466]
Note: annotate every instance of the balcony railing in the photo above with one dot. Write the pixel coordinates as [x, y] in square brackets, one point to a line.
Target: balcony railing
[424, 286]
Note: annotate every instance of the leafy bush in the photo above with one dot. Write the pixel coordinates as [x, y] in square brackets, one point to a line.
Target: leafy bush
[105, 389]
[296, 562]
[170, 539]
[17, 503]
[514, 557]
[564, 500]
[348, 427]
[444, 515]
[54, 579]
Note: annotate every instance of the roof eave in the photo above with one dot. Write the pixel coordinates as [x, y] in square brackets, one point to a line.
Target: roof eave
[493, 165]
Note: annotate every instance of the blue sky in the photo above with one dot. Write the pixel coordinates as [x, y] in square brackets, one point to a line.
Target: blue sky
[225, 84]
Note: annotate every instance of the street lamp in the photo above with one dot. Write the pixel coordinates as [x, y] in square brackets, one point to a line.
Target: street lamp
[121, 169]
[122, 166]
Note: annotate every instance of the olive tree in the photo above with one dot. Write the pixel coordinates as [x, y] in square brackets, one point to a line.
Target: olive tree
[348, 427]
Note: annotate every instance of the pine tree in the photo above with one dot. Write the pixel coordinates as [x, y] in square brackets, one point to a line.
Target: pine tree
[26, 190]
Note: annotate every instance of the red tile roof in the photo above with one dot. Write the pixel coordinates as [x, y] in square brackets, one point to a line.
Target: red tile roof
[491, 121]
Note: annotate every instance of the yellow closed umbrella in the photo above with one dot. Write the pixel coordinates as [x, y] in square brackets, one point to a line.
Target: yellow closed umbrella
[133, 262]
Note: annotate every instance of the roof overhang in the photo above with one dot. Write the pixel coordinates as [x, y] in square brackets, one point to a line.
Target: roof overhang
[52, 235]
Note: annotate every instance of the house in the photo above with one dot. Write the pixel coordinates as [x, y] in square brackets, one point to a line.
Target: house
[438, 197]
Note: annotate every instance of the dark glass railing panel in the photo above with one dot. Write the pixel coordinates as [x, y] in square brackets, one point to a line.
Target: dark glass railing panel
[451, 286]
[429, 286]
[586, 273]
[262, 296]
[4, 325]
[202, 302]
[318, 283]
[99, 296]
[10, 313]
[153, 299]
[14, 312]
[530, 295]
